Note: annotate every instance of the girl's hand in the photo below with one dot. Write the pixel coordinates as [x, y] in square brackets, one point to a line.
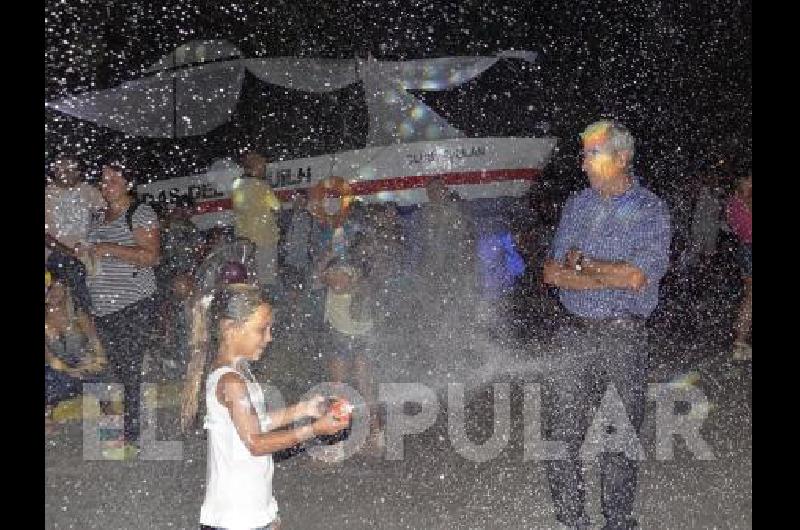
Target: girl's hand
[313, 408]
[329, 424]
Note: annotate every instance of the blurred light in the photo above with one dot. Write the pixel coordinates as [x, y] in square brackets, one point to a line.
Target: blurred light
[406, 129]
[433, 132]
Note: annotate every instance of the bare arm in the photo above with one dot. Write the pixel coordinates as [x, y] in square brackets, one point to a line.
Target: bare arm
[232, 392]
[49, 357]
[563, 277]
[86, 325]
[145, 253]
[304, 409]
[616, 274]
[595, 275]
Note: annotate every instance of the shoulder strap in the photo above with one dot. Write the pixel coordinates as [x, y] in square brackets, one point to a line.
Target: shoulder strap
[129, 214]
[213, 378]
[219, 372]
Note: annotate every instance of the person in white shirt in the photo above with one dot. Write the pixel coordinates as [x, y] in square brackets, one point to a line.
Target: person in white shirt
[242, 435]
[70, 207]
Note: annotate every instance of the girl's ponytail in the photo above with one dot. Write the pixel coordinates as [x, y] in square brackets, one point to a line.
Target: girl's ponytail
[232, 302]
[199, 346]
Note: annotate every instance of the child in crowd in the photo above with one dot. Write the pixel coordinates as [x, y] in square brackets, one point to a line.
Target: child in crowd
[73, 353]
[236, 323]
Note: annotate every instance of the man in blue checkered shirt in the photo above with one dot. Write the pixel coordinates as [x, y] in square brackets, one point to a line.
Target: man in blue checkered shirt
[609, 254]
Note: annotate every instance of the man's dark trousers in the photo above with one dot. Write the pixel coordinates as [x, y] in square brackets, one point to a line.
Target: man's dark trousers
[595, 355]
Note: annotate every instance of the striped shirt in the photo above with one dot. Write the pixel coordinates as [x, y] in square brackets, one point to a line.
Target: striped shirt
[633, 227]
[117, 284]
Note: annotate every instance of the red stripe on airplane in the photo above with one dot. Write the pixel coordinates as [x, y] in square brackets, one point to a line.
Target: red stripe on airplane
[369, 187]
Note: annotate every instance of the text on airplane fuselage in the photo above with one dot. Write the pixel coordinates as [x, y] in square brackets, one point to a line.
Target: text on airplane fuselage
[282, 178]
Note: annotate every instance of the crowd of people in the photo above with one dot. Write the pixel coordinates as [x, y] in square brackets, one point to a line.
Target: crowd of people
[127, 281]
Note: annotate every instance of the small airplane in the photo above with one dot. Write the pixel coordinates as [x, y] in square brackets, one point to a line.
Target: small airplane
[195, 88]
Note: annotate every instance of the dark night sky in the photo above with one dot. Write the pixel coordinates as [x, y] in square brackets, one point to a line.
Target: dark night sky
[679, 74]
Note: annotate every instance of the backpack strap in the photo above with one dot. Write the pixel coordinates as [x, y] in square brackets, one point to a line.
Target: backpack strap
[129, 214]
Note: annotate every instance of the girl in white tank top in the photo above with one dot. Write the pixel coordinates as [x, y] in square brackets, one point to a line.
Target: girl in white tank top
[242, 435]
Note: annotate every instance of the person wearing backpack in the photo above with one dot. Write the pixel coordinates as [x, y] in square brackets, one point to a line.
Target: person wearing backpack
[125, 248]
[181, 246]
